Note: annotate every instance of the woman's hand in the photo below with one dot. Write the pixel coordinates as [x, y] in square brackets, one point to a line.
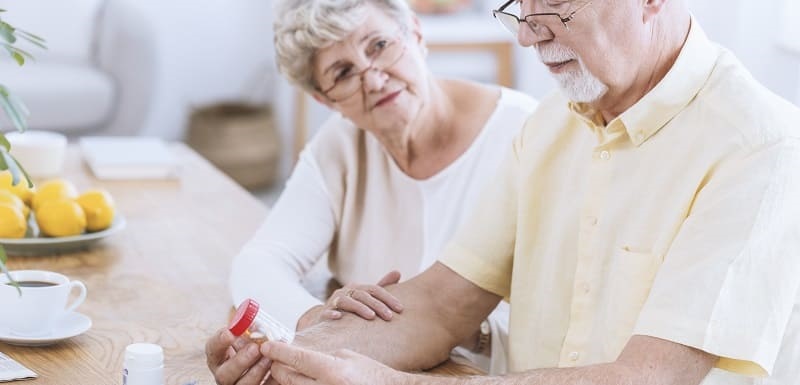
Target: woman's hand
[366, 301]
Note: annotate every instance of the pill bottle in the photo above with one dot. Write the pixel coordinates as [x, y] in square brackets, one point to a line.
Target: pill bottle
[143, 365]
[250, 319]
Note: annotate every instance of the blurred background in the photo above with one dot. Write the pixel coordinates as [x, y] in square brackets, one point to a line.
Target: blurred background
[202, 71]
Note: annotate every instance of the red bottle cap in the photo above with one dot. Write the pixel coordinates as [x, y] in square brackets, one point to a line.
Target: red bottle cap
[245, 314]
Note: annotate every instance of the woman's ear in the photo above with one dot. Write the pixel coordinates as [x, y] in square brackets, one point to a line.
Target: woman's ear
[652, 8]
[321, 99]
[416, 31]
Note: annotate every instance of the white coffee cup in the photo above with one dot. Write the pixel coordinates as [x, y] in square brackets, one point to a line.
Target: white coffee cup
[41, 153]
[42, 304]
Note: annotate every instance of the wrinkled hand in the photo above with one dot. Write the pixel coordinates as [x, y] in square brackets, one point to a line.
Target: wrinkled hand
[366, 301]
[235, 360]
[300, 366]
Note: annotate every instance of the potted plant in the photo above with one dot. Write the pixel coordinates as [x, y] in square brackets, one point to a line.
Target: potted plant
[14, 109]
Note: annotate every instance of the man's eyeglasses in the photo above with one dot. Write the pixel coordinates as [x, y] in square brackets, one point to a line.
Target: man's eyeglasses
[536, 21]
[347, 81]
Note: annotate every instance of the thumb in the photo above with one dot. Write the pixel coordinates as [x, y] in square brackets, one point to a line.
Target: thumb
[390, 279]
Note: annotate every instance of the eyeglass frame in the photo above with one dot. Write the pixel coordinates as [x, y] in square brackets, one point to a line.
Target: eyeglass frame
[398, 39]
[564, 20]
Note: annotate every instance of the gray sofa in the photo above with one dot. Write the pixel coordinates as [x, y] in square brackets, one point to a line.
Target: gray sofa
[99, 71]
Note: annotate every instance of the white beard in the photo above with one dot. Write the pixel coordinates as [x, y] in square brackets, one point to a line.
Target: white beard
[580, 86]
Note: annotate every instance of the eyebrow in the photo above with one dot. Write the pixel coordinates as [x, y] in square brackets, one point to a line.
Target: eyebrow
[339, 62]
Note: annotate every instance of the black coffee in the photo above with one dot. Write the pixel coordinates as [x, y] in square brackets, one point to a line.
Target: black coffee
[34, 284]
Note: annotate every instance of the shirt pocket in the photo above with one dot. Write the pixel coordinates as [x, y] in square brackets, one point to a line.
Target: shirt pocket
[630, 276]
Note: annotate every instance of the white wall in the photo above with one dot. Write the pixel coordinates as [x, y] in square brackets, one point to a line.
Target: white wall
[210, 50]
[216, 50]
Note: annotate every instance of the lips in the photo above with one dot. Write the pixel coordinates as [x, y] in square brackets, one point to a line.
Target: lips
[555, 66]
[387, 99]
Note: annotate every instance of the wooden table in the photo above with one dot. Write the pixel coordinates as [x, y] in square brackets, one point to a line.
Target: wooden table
[163, 279]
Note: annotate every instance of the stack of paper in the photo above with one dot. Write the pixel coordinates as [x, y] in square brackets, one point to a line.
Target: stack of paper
[11, 370]
[118, 158]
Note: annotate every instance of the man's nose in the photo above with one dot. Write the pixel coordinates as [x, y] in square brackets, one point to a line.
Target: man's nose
[527, 37]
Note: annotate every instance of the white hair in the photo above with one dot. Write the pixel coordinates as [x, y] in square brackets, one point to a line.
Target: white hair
[580, 86]
[302, 27]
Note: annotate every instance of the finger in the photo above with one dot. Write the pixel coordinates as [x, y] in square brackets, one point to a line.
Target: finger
[257, 372]
[285, 375]
[356, 306]
[331, 314]
[217, 348]
[234, 368]
[390, 278]
[385, 297]
[307, 362]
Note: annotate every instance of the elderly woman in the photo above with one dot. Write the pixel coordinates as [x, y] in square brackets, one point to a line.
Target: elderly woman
[383, 184]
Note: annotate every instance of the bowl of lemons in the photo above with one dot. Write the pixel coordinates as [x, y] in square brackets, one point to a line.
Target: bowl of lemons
[54, 217]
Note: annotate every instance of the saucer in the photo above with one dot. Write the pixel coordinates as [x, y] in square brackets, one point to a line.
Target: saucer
[71, 325]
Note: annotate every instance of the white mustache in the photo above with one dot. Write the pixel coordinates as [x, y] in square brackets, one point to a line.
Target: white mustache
[555, 53]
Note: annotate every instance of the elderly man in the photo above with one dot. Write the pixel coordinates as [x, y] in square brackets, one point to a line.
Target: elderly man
[645, 227]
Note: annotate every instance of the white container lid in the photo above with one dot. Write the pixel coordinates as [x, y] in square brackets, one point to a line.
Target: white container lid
[144, 355]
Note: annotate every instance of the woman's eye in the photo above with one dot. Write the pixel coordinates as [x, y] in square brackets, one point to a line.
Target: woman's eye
[342, 73]
[377, 47]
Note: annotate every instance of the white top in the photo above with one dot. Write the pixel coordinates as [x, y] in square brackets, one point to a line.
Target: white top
[347, 198]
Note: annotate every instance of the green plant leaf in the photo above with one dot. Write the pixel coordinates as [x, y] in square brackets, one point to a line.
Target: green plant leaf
[4, 142]
[4, 269]
[7, 32]
[35, 39]
[14, 108]
[12, 166]
[22, 170]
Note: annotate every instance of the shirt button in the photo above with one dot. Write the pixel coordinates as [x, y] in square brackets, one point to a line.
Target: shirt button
[591, 220]
[605, 155]
[640, 136]
[586, 288]
[573, 356]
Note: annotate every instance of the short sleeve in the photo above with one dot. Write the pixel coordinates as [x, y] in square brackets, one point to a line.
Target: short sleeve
[730, 280]
[483, 246]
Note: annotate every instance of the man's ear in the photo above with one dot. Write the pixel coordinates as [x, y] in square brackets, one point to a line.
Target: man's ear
[651, 9]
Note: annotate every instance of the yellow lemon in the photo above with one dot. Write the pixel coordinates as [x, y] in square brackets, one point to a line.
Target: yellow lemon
[12, 222]
[21, 189]
[9, 198]
[99, 209]
[61, 218]
[53, 189]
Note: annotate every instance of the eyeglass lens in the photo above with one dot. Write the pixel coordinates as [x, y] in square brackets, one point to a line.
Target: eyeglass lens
[386, 54]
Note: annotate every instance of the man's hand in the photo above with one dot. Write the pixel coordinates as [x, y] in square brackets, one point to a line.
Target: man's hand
[296, 365]
[235, 360]
[365, 301]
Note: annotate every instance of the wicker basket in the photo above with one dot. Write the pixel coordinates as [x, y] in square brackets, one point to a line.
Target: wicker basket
[239, 139]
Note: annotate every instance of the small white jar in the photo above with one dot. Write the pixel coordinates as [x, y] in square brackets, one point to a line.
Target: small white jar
[41, 153]
[144, 365]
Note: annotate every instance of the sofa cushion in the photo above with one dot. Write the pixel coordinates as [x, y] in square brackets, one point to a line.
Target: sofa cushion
[67, 25]
[63, 97]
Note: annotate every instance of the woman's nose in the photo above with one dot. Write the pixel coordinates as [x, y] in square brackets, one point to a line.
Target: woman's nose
[373, 79]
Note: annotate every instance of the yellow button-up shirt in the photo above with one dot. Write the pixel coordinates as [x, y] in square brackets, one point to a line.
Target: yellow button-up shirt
[679, 219]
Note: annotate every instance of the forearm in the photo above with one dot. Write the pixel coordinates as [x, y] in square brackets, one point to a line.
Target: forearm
[605, 374]
[431, 324]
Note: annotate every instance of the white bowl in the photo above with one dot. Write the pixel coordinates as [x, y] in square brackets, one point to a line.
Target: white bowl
[41, 153]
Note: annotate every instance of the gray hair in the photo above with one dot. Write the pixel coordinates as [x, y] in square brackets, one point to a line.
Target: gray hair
[302, 27]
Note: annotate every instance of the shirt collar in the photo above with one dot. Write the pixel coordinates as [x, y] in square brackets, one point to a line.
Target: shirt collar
[681, 84]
